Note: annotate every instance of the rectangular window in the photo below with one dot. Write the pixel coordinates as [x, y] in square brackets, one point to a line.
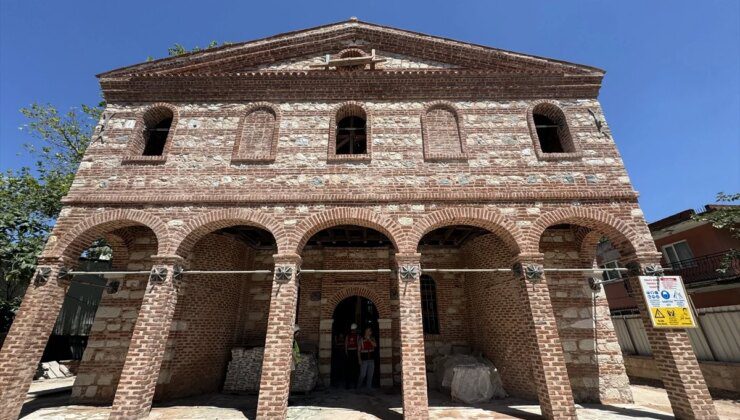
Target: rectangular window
[611, 274]
[678, 254]
[429, 305]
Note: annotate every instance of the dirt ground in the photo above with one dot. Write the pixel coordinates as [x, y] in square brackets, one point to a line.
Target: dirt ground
[650, 403]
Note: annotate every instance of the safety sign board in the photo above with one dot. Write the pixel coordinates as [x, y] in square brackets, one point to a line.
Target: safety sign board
[667, 302]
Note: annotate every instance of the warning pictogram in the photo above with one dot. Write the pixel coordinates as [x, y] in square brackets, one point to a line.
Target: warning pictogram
[666, 301]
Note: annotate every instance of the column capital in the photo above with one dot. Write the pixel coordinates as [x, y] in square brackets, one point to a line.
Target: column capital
[59, 261]
[287, 258]
[529, 258]
[413, 258]
[168, 260]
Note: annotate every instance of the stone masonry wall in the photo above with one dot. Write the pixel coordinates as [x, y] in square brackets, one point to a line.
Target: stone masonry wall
[110, 335]
[498, 141]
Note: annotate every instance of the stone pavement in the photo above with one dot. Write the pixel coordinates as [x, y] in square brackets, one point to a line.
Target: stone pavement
[346, 405]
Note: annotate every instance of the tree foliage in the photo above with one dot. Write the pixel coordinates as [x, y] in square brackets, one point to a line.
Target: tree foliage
[725, 217]
[31, 196]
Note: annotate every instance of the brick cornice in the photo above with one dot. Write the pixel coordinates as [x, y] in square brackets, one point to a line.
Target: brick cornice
[368, 85]
[459, 197]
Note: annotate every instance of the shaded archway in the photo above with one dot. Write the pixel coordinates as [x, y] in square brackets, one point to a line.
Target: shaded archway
[222, 308]
[570, 238]
[479, 312]
[115, 302]
[352, 260]
[362, 312]
[346, 216]
[69, 240]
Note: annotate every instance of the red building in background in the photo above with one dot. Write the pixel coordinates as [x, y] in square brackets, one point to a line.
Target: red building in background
[694, 250]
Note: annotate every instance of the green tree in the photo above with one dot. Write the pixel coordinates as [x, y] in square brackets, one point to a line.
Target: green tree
[725, 217]
[31, 196]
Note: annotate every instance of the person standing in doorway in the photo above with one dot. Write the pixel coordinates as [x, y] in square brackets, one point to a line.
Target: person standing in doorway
[366, 358]
[351, 368]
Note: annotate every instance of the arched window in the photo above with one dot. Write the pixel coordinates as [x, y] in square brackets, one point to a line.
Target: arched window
[442, 133]
[152, 135]
[155, 136]
[350, 134]
[429, 315]
[258, 134]
[550, 132]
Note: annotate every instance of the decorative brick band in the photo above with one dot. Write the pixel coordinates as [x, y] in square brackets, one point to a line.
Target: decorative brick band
[451, 196]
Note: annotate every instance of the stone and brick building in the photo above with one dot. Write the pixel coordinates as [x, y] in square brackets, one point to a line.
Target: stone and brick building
[349, 146]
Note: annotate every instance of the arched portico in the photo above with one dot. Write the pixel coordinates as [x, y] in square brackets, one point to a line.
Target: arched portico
[194, 230]
[346, 216]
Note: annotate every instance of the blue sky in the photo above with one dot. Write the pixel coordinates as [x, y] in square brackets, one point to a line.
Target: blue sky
[671, 93]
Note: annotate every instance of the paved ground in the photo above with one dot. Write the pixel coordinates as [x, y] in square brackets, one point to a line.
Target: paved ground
[651, 403]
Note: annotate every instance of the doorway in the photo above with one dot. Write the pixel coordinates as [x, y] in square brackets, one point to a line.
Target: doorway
[352, 310]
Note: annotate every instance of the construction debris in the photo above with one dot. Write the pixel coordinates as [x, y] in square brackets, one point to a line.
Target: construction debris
[469, 379]
[53, 370]
[245, 368]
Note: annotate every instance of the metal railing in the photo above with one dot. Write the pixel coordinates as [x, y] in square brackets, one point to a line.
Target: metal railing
[704, 268]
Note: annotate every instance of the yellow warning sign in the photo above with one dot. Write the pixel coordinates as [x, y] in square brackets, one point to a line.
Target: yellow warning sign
[667, 302]
[672, 317]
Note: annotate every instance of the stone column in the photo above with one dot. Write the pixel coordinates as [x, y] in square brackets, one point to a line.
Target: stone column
[673, 354]
[413, 364]
[27, 338]
[146, 351]
[614, 386]
[386, 352]
[325, 349]
[550, 373]
[275, 379]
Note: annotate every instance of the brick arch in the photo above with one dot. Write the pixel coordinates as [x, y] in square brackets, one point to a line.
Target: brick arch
[383, 306]
[617, 230]
[82, 234]
[347, 216]
[484, 219]
[219, 219]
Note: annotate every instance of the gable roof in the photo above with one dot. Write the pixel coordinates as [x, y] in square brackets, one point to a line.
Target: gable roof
[249, 56]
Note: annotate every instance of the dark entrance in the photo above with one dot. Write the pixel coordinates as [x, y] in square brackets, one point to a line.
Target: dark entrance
[352, 310]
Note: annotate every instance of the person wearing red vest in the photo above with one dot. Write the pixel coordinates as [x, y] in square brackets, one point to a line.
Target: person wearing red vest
[351, 369]
[366, 356]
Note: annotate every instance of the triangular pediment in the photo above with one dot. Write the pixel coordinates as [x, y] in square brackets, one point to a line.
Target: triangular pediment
[384, 48]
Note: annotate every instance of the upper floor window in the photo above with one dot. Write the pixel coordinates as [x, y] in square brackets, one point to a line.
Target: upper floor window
[678, 255]
[349, 135]
[442, 132]
[258, 134]
[155, 136]
[152, 135]
[551, 133]
[430, 318]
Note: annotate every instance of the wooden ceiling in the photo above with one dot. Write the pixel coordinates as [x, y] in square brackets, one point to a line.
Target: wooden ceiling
[356, 237]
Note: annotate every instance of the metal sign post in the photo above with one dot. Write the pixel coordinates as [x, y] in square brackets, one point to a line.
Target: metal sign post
[667, 302]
